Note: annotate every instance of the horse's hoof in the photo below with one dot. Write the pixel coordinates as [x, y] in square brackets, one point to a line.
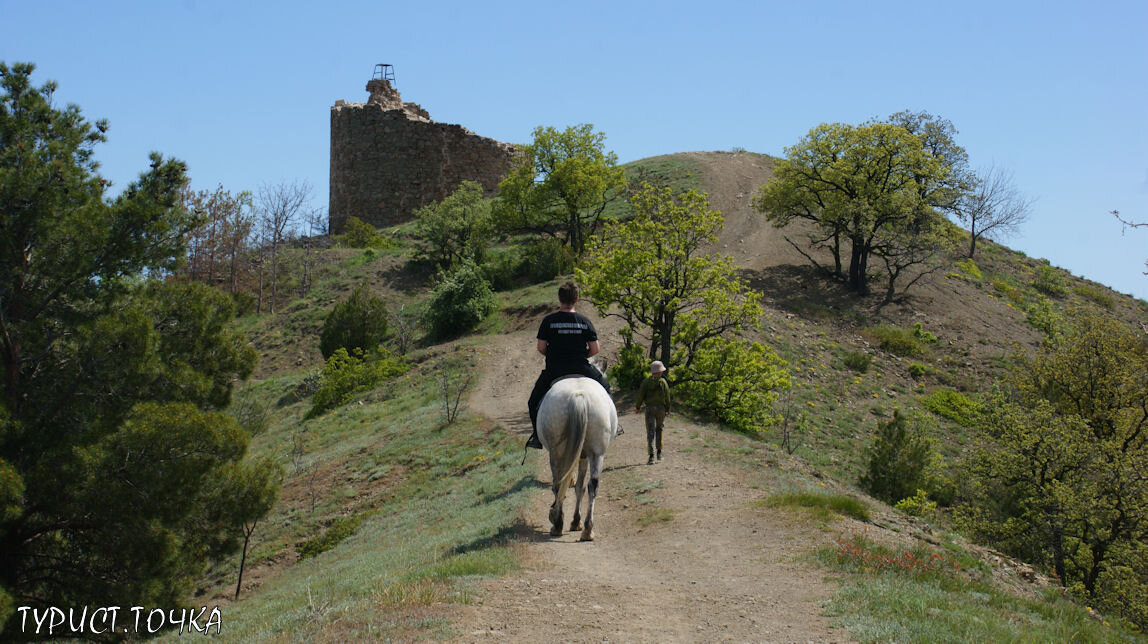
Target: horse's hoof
[556, 532]
[586, 537]
[575, 527]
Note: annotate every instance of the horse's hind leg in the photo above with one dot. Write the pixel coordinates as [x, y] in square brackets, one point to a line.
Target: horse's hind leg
[559, 486]
[579, 488]
[592, 492]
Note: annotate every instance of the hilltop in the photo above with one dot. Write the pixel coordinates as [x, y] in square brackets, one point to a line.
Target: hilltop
[393, 525]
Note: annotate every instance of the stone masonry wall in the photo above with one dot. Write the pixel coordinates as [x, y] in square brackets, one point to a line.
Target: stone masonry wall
[387, 161]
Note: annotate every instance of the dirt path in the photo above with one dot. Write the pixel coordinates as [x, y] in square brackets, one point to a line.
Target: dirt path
[718, 570]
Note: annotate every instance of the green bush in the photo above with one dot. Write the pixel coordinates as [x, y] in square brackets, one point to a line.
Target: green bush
[345, 375]
[735, 380]
[460, 299]
[632, 368]
[857, 361]
[1050, 281]
[1042, 316]
[1008, 290]
[359, 234]
[918, 370]
[954, 406]
[969, 267]
[897, 341]
[359, 322]
[544, 260]
[896, 461]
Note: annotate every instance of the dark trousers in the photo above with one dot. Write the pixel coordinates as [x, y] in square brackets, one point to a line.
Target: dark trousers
[655, 419]
[547, 378]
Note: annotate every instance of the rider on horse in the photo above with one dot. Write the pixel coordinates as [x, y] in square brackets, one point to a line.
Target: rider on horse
[567, 339]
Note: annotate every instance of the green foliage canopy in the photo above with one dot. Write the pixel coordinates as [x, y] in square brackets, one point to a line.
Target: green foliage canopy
[1059, 478]
[456, 228]
[111, 442]
[561, 185]
[870, 190]
[460, 299]
[652, 272]
[897, 461]
[358, 322]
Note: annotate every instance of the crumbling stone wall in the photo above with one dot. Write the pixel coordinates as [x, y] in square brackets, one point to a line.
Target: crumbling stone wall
[388, 158]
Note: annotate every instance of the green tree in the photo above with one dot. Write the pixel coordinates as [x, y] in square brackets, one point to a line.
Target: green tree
[109, 421]
[869, 190]
[456, 228]
[652, 272]
[460, 299]
[358, 322]
[560, 185]
[666, 288]
[1059, 477]
[897, 461]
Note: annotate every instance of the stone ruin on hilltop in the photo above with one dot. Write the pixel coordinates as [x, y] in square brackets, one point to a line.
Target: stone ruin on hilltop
[388, 158]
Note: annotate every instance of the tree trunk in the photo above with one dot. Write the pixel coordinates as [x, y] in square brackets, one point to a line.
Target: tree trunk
[243, 558]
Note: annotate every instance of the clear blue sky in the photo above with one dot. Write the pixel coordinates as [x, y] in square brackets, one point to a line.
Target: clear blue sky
[1056, 92]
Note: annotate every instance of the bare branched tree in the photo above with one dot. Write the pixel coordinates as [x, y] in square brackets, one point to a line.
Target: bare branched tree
[280, 207]
[453, 383]
[404, 323]
[1130, 224]
[994, 208]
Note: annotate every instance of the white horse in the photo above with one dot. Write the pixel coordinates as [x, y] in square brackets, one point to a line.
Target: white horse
[576, 422]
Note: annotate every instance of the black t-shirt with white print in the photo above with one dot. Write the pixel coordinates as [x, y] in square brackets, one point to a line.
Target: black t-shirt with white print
[566, 335]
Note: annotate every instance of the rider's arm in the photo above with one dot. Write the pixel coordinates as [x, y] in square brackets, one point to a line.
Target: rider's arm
[591, 348]
[542, 347]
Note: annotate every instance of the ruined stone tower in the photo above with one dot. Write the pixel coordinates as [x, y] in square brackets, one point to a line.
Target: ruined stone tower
[388, 158]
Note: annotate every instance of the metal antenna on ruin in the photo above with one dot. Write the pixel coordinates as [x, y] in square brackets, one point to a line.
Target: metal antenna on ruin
[385, 72]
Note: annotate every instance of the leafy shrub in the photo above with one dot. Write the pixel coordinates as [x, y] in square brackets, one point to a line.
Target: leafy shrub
[503, 270]
[1008, 290]
[544, 260]
[917, 505]
[1050, 281]
[897, 341]
[918, 370]
[1042, 316]
[345, 375]
[359, 234]
[456, 228]
[923, 335]
[632, 368]
[897, 461]
[736, 381]
[359, 322]
[969, 267]
[857, 361]
[954, 406]
[459, 301]
[1095, 295]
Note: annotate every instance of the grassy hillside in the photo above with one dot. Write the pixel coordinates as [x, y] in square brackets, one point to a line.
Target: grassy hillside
[386, 510]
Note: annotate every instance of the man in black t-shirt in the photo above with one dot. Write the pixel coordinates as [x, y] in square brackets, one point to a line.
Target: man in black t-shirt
[567, 339]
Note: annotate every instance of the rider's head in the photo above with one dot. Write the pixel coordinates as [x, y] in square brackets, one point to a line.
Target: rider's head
[568, 294]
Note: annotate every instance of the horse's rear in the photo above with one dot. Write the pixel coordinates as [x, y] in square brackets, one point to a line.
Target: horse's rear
[576, 422]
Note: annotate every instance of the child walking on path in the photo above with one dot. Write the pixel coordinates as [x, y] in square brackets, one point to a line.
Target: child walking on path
[655, 394]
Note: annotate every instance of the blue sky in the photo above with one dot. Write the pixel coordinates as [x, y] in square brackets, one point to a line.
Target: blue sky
[1056, 92]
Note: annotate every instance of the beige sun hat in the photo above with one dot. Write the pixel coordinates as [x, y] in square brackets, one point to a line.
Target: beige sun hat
[657, 367]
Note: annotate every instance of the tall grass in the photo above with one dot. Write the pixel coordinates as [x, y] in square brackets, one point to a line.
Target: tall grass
[921, 595]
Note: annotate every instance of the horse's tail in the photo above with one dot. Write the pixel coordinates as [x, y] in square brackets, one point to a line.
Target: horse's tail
[576, 420]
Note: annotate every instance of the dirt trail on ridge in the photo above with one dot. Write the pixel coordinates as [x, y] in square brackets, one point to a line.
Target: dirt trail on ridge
[721, 569]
